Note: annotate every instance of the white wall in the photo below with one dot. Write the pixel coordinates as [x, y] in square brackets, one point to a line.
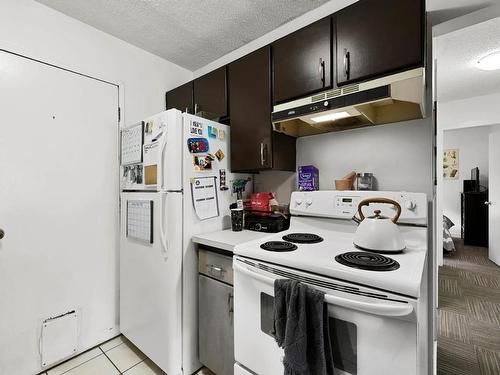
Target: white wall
[34, 30]
[281, 183]
[475, 111]
[399, 155]
[472, 144]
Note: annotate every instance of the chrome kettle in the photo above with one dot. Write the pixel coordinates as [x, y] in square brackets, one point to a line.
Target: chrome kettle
[378, 233]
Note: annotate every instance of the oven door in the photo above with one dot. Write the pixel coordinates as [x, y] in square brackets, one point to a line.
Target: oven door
[371, 332]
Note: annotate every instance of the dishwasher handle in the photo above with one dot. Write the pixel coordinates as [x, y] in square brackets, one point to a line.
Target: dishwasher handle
[385, 308]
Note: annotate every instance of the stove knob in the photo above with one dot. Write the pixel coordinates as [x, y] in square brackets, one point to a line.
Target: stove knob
[298, 202]
[309, 201]
[410, 205]
[258, 227]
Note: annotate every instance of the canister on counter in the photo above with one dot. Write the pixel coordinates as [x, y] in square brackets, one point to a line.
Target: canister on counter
[365, 181]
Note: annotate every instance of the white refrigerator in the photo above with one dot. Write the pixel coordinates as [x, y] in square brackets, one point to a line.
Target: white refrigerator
[175, 182]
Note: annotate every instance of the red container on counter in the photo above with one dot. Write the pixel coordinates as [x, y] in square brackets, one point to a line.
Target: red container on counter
[260, 202]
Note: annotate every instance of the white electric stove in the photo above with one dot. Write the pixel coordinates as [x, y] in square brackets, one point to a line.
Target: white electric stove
[377, 302]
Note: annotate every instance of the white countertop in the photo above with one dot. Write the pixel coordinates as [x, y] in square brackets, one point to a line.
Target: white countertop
[227, 239]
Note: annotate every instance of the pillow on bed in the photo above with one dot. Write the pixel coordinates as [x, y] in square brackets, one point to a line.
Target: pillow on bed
[447, 222]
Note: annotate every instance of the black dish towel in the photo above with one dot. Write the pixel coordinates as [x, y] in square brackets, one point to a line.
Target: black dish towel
[301, 328]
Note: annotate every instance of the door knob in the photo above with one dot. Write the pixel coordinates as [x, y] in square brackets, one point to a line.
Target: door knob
[2, 234]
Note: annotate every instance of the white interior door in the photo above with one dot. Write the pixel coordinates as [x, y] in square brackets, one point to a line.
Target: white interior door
[494, 196]
[58, 208]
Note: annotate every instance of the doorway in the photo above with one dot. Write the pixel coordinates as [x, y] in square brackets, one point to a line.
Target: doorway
[469, 280]
[467, 196]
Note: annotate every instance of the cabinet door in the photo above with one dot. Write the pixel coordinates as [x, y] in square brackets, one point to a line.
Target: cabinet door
[216, 330]
[302, 61]
[210, 94]
[476, 219]
[181, 98]
[250, 111]
[378, 37]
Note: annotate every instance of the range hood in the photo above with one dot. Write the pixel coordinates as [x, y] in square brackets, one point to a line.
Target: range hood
[394, 98]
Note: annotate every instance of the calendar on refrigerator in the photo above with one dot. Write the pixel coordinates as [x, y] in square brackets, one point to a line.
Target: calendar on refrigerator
[131, 145]
[140, 220]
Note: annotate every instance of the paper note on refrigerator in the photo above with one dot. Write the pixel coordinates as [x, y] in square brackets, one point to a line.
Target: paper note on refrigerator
[204, 195]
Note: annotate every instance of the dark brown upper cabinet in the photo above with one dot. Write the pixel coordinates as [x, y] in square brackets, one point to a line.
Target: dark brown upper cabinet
[181, 98]
[254, 144]
[375, 38]
[302, 61]
[210, 94]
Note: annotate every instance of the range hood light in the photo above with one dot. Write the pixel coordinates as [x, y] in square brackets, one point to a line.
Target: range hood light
[489, 62]
[331, 117]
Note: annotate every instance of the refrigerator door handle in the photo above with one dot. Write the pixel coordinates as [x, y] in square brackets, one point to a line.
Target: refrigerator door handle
[163, 235]
[161, 161]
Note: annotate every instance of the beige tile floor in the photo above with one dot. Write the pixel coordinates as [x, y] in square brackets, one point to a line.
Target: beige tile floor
[116, 356]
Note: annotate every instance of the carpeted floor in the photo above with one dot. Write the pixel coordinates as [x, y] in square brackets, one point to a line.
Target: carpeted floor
[469, 313]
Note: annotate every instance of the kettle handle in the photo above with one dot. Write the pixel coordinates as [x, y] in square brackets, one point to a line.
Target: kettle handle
[366, 202]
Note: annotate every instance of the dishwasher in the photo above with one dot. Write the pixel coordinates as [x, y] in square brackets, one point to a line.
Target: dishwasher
[215, 311]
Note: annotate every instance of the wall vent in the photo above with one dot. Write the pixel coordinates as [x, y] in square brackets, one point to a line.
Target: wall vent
[59, 339]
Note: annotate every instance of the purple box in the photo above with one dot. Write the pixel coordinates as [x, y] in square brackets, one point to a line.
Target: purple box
[308, 178]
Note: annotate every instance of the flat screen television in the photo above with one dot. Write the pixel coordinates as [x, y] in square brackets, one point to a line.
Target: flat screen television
[474, 175]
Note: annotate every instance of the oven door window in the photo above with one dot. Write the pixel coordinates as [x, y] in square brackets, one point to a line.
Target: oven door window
[343, 336]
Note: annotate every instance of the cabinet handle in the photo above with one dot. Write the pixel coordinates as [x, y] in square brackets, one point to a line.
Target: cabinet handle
[347, 63]
[230, 307]
[322, 70]
[2, 234]
[195, 108]
[216, 271]
[262, 153]
[187, 110]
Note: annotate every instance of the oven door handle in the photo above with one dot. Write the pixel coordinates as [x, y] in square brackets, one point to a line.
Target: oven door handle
[382, 308]
[385, 308]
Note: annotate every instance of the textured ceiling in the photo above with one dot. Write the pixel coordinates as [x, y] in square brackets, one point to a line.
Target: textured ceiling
[457, 53]
[190, 33]
[194, 33]
[444, 10]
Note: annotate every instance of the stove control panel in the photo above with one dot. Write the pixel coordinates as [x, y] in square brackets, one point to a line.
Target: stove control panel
[344, 204]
